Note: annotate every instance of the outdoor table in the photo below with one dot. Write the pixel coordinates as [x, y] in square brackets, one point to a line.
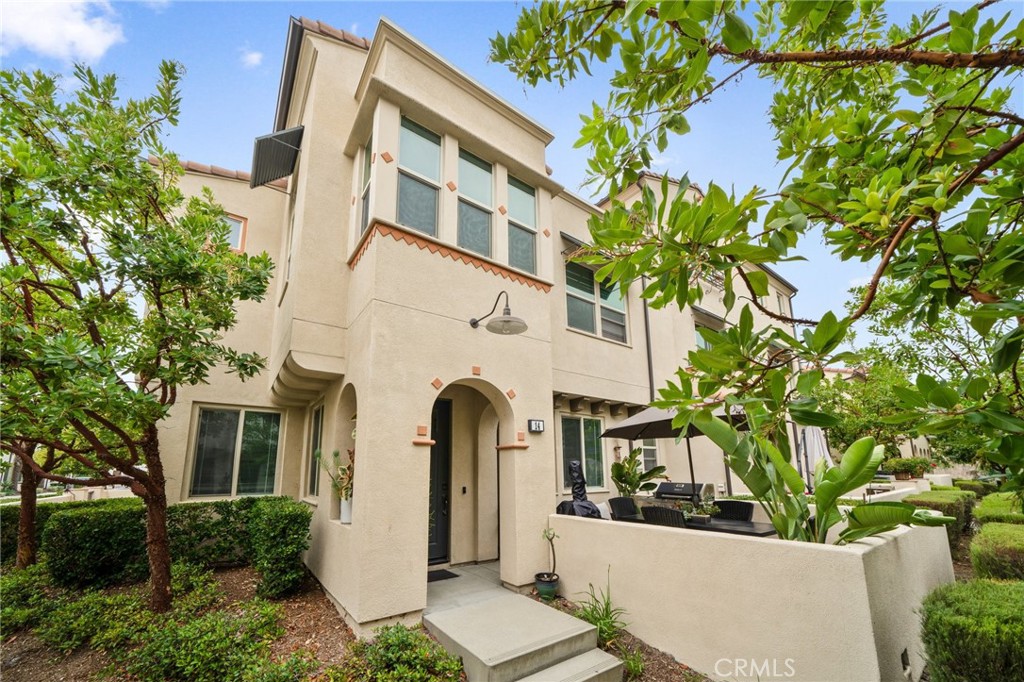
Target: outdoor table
[756, 528]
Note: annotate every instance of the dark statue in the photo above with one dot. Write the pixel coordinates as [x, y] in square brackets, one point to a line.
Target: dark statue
[580, 505]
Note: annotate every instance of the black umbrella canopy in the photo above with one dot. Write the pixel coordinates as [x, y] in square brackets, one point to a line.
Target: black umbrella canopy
[655, 422]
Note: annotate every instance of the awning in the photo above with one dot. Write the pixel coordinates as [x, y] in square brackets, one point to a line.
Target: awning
[274, 156]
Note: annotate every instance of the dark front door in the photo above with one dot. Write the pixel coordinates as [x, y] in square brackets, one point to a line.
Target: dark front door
[440, 477]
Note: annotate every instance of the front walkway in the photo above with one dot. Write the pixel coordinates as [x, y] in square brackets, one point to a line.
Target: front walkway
[476, 583]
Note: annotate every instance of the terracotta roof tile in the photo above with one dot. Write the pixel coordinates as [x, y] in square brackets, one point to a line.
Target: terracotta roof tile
[331, 32]
[217, 171]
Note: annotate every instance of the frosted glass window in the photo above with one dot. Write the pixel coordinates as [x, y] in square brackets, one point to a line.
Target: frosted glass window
[420, 150]
[474, 229]
[522, 203]
[417, 204]
[581, 314]
[522, 248]
[475, 178]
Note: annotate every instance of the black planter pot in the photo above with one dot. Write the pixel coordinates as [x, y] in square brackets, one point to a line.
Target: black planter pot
[547, 585]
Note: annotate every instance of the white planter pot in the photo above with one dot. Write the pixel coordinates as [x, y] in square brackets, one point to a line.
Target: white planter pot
[346, 510]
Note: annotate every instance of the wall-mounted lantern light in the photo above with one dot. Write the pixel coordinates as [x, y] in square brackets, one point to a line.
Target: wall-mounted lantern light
[502, 324]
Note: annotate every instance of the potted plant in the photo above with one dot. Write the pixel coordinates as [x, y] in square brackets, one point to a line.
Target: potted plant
[547, 583]
[342, 477]
[630, 478]
[901, 467]
[702, 512]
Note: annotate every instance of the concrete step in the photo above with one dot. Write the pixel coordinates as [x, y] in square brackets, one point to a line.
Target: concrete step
[592, 666]
[509, 637]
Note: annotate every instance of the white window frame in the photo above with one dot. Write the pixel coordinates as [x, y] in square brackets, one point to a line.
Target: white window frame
[364, 196]
[408, 172]
[314, 441]
[243, 230]
[526, 228]
[598, 304]
[237, 457]
[649, 446]
[566, 484]
[475, 203]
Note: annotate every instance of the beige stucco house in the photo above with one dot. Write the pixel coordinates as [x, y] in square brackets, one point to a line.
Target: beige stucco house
[418, 197]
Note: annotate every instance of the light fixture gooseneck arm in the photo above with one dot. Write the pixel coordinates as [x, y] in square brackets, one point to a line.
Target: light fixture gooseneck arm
[475, 322]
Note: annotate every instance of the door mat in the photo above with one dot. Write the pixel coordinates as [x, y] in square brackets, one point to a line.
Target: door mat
[434, 576]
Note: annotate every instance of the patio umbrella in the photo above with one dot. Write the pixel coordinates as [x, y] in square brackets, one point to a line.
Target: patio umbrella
[655, 422]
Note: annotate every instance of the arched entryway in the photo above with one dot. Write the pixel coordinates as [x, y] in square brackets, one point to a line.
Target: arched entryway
[469, 420]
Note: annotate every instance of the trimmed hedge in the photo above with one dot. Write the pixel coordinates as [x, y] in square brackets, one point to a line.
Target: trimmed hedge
[975, 631]
[44, 510]
[979, 488]
[998, 552]
[955, 503]
[97, 546]
[278, 535]
[999, 508]
[104, 541]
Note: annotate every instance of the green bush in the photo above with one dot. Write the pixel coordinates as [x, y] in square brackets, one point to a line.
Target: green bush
[999, 508]
[955, 503]
[9, 520]
[397, 654]
[998, 552]
[210, 533]
[97, 546]
[278, 534]
[979, 488]
[975, 631]
[219, 646]
[295, 668]
[915, 466]
[23, 598]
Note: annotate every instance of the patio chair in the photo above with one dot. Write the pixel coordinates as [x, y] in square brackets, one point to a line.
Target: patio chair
[624, 509]
[663, 516]
[737, 510]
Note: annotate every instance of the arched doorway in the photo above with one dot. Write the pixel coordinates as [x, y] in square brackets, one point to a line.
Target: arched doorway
[469, 419]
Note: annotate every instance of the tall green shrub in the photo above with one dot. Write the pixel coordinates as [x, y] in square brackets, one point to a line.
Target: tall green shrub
[974, 631]
[979, 488]
[278, 534]
[97, 546]
[998, 552]
[44, 510]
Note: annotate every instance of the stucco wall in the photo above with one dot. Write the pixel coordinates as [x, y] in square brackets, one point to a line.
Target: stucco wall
[820, 613]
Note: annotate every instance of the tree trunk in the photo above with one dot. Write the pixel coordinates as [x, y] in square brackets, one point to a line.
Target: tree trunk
[157, 544]
[27, 519]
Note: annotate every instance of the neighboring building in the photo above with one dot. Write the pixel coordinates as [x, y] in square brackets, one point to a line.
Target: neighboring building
[418, 197]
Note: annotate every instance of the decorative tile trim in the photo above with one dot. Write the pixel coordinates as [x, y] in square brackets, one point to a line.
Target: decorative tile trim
[421, 430]
[423, 441]
[520, 436]
[513, 446]
[511, 393]
[387, 157]
[502, 210]
[451, 186]
[547, 232]
[400, 234]
[437, 383]
[476, 370]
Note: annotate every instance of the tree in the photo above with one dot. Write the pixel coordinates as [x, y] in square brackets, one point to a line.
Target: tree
[93, 230]
[858, 404]
[904, 150]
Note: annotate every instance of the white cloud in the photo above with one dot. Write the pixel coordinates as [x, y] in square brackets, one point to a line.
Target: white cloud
[250, 58]
[354, 29]
[861, 281]
[70, 31]
[157, 5]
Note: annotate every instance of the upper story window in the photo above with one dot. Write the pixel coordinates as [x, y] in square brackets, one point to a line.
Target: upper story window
[522, 226]
[365, 182]
[419, 177]
[782, 303]
[649, 450]
[590, 303]
[236, 452]
[475, 201]
[236, 233]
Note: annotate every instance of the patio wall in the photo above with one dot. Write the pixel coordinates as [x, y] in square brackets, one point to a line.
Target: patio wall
[745, 608]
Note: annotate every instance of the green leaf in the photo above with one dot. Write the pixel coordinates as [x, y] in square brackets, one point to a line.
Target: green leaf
[736, 35]
[807, 417]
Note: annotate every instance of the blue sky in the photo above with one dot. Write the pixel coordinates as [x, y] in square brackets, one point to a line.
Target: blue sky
[233, 53]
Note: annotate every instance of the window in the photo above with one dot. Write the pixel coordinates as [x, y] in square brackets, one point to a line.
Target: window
[236, 452]
[782, 303]
[365, 217]
[522, 226]
[419, 177]
[236, 232]
[316, 434]
[649, 448]
[702, 343]
[475, 200]
[581, 440]
[586, 300]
